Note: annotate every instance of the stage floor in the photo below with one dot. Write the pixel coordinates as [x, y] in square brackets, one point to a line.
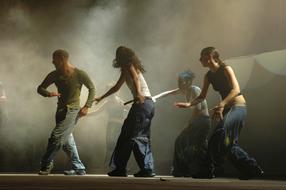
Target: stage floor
[59, 182]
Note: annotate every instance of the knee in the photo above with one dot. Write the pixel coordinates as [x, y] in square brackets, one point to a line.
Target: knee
[141, 140]
[66, 147]
[55, 141]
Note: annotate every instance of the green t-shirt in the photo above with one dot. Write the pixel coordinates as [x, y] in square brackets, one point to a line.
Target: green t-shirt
[68, 87]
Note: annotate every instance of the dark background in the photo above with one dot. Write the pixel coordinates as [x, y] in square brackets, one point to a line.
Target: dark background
[167, 36]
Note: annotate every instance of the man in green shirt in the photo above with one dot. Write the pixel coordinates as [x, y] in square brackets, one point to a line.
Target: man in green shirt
[68, 80]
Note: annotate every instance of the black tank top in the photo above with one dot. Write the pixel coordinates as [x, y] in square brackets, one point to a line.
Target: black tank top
[220, 81]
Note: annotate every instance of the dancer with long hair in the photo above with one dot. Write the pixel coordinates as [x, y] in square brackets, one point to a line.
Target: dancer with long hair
[135, 132]
[229, 115]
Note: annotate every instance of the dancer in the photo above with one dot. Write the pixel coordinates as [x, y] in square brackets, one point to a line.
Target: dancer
[191, 145]
[229, 114]
[68, 80]
[135, 132]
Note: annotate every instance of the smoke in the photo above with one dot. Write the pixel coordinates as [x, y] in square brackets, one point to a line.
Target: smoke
[167, 37]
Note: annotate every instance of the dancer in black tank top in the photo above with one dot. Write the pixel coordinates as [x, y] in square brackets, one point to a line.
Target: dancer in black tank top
[228, 117]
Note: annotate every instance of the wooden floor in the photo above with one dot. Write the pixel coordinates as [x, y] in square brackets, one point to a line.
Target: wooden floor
[58, 182]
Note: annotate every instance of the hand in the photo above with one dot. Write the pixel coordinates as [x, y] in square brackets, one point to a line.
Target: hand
[218, 113]
[182, 104]
[83, 111]
[140, 99]
[97, 100]
[52, 94]
[3, 98]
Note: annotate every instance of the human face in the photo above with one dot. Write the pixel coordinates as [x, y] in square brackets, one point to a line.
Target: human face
[184, 85]
[58, 62]
[205, 59]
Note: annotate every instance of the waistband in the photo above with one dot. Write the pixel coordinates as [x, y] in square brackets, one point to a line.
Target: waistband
[236, 105]
[239, 105]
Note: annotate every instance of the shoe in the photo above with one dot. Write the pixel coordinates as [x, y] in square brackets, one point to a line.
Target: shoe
[145, 173]
[75, 172]
[46, 170]
[258, 172]
[117, 173]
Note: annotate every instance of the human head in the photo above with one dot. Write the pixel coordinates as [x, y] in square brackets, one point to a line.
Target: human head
[185, 80]
[126, 56]
[208, 55]
[60, 58]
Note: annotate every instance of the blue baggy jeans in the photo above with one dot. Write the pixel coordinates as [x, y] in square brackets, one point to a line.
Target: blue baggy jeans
[223, 143]
[135, 136]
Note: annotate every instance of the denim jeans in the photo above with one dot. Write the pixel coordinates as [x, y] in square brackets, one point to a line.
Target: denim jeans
[135, 136]
[223, 143]
[61, 137]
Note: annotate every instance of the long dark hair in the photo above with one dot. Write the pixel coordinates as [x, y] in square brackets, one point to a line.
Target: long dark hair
[212, 51]
[125, 56]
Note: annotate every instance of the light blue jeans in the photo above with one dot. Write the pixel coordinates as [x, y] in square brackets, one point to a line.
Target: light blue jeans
[61, 137]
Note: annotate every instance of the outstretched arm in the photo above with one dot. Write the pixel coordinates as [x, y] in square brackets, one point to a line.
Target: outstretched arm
[166, 93]
[113, 89]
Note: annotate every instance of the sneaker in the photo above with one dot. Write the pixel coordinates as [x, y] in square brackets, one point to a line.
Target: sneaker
[145, 173]
[75, 172]
[258, 172]
[46, 170]
[117, 173]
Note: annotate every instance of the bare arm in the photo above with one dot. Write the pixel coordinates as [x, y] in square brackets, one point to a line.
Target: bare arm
[218, 110]
[135, 79]
[167, 93]
[114, 89]
[234, 84]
